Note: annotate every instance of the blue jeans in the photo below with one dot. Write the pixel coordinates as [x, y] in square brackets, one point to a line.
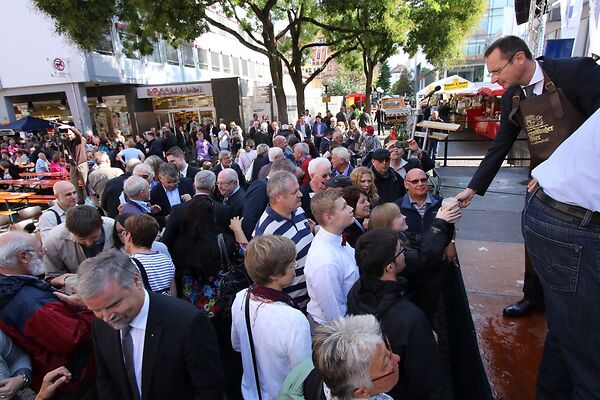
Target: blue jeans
[565, 252]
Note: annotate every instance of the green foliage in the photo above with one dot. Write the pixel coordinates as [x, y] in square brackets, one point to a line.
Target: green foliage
[384, 76]
[404, 85]
[176, 21]
[346, 81]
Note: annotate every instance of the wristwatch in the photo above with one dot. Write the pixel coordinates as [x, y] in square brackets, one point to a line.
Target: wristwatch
[26, 380]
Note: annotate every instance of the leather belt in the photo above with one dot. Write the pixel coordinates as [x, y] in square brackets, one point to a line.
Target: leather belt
[573, 211]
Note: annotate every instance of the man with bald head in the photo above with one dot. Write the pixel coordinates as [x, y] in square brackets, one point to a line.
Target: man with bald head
[233, 195]
[281, 142]
[66, 198]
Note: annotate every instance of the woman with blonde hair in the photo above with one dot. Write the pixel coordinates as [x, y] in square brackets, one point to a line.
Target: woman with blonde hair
[387, 216]
[363, 178]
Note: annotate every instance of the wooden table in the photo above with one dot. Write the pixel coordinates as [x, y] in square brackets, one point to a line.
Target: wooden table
[64, 175]
[14, 197]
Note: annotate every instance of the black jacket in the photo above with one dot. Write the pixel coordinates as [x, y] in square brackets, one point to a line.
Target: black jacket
[408, 331]
[159, 196]
[390, 186]
[110, 196]
[255, 203]
[181, 358]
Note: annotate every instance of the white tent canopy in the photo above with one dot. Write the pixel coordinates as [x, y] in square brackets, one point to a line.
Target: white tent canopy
[450, 84]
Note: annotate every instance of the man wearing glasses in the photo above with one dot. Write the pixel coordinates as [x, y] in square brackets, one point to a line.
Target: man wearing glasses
[171, 191]
[390, 185]
[549, 99]
[381, 291]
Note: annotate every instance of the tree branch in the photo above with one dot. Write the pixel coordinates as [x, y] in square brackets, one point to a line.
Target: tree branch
[328, 27]
[237, 36]
[332, 43]
[327, 61]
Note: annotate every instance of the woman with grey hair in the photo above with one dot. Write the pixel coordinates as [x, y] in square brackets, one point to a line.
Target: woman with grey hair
[352, 360]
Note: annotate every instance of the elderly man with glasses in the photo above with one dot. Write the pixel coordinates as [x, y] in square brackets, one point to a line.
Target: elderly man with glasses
[229, 188]
[319, 171]
[390, 185]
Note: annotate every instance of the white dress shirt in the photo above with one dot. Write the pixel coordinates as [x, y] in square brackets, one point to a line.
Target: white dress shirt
[173, 196]
[138, 336]
[330, 272]
[537, 79]
[569, 175]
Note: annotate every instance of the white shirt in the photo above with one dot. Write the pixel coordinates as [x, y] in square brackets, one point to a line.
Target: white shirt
[138, 335]
[48, 220]
[537, 79]
[281, 336]
[569, 175]
[173, 196]
[330, 272]
[183, 172]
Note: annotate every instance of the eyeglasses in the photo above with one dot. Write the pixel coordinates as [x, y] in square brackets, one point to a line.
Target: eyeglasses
[121, 231]
[497, 73]
[417, 181]
[41, 250]
[326, 175]
[402, 251]
[225, 183]
[383, 160]
[389, 354]
[144, 176]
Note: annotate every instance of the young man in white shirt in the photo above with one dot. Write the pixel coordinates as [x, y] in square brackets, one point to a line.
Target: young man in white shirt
[330, 268]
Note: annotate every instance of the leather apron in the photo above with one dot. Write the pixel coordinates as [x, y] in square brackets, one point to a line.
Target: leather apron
[547, 119]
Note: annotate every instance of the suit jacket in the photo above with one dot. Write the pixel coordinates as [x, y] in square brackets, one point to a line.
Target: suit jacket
[578, 77]
[191, 172]
[323, 129]
[110, 196]
[236, 202]
[176, 226]
[180, 357]
[132, 208]
[159, 196]
[256, 202]
[236, 167]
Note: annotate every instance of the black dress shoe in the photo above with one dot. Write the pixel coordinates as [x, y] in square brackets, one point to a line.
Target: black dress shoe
[521, 308]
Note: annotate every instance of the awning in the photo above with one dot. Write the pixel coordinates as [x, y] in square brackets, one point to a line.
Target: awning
[493, 90]
[451, 84]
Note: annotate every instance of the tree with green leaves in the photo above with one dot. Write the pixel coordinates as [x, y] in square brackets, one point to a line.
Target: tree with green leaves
[384, 76]
[404, 85]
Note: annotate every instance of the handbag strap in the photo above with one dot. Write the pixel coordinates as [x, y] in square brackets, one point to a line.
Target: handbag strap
[143, 272]
[223, 249]
[252, 352]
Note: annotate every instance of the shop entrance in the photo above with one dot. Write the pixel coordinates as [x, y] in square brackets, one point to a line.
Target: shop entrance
[176, 118]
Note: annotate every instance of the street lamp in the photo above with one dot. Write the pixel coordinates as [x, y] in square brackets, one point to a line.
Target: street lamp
[325, 83]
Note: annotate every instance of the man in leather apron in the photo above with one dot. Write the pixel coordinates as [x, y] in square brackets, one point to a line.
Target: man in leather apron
[548, 99]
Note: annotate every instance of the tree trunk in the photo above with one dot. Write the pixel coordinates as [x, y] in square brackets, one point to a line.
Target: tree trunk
[277, 76]
[368, 87]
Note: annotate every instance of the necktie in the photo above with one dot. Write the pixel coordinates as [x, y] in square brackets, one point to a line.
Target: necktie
[529, 91]
[225, 200]
[127, 347]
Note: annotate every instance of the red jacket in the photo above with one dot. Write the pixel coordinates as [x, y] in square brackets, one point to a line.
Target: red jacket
[53, 333]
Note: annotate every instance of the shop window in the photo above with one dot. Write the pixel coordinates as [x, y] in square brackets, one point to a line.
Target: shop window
[202, 58]
[216, 61]
[244, 67]
[226, 64]
[187, 53]
[172, 54]
[236, 66]
[105, 44]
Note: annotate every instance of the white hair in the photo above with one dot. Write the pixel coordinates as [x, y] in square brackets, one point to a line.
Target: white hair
[134, 185]
[316, 164]
[230, 174]
[343, 351]
[341, 152]
[302, 148]
[278, 182]
[275, 153]
[205, 180]
[144, 169]
[11, 244]
[264, 126]
[262, 148]
[222, 126]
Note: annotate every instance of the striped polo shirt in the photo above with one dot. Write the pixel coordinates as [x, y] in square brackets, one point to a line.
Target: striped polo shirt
[159, 268]
[298, 230]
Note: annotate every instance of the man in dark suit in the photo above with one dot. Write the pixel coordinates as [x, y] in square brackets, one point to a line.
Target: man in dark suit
[233, 195]
[204, 183]
[569, 367]
[113, 189]
[256, 199]
[318, 131]
[153, 146]
[226, 161]
[171, 190]
[147, 346]
[176, 156]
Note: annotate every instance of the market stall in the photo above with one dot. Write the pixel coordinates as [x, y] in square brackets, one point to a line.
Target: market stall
[486, 118]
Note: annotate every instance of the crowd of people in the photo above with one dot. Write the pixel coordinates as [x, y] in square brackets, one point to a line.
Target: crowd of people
[141, 235]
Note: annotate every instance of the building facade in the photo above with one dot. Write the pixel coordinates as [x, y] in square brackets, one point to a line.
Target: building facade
[47, 76]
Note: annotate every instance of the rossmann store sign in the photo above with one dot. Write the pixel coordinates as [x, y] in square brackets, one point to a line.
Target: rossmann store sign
[147, 92]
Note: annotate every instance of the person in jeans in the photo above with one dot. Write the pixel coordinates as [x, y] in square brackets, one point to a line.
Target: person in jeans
[280, 332]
